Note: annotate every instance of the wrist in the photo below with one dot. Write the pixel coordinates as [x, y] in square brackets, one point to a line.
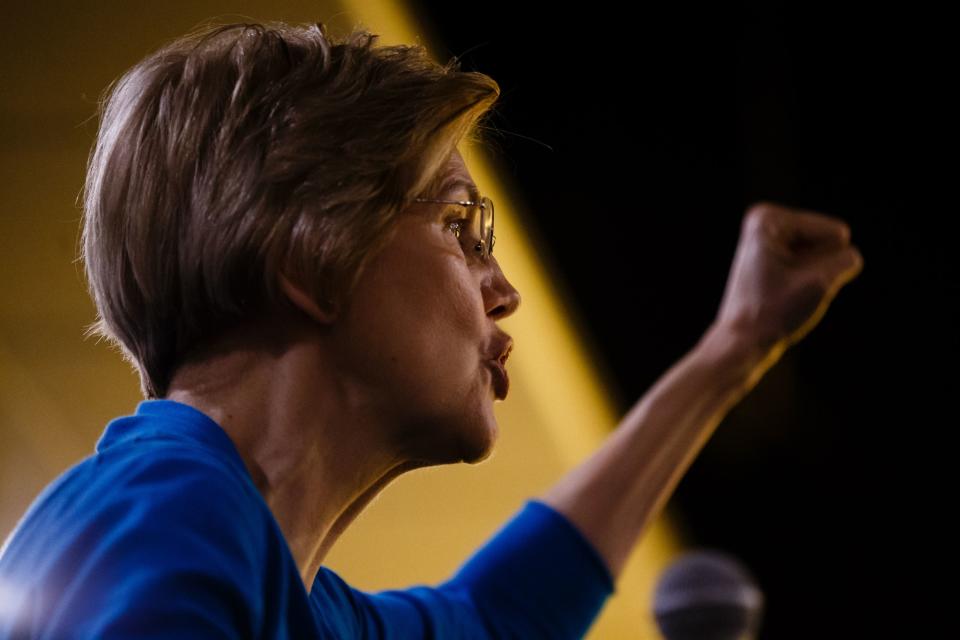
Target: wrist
[742, 355]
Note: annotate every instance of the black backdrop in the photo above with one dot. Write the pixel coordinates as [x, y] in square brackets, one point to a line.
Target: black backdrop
[637, 140]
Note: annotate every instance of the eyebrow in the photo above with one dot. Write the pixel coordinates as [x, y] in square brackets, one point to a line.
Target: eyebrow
[456, 182]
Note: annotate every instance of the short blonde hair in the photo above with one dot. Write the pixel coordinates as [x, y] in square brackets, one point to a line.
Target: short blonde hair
[241, 151]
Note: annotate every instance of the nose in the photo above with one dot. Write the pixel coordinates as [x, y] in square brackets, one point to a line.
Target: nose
[500, 298]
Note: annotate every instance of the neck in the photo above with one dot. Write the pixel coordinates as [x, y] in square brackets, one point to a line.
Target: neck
[311, 438]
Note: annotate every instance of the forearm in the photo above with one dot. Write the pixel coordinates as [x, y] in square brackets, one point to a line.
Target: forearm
[622, 487]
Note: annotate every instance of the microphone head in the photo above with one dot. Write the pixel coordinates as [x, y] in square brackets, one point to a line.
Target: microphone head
[707, 595]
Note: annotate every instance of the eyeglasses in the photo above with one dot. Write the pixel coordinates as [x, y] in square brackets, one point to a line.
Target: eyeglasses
[477, 234]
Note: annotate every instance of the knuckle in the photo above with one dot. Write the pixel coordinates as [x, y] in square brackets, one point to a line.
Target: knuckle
[763, 207]
[756, 209]
[761, 213]
[856, 258]
[844, 230]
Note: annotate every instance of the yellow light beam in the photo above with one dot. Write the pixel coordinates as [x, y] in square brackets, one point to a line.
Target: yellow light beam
[559, 383]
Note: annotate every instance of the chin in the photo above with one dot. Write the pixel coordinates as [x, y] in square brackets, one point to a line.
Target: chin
[453, 440]
[463, 432]
[479, 443]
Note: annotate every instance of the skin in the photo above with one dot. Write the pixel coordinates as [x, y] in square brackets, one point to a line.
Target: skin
[788, 267]
[327, 406]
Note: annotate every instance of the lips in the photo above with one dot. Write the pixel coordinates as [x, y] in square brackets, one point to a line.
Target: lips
[501, 381]
[500, 348]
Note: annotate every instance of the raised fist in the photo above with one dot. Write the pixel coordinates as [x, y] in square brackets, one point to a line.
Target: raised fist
[789, 264]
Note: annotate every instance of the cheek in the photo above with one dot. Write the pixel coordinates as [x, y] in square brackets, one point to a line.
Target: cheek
[462, 305]
[422, 320]
[448, 322]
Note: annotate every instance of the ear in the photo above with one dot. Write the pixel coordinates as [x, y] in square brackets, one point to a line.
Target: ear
[324, 313]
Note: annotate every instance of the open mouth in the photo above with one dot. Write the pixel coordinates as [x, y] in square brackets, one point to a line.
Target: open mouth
[500, 379]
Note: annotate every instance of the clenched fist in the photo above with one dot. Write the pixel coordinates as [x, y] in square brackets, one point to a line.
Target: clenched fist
[789, 264]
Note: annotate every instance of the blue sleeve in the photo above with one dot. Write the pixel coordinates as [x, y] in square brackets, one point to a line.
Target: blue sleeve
[164, 556]
[537, 577]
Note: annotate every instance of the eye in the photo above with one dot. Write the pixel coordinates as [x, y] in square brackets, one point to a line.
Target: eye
[457, 225]
[463, 229]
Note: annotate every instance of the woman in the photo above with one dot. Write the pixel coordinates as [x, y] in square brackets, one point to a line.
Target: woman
[272, 239]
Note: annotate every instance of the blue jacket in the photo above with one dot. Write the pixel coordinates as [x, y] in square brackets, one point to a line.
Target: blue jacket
[161, 533]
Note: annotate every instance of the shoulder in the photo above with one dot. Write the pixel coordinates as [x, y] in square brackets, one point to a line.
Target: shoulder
[166, 490]
[144, 490]
[177, 496]
[151, 535]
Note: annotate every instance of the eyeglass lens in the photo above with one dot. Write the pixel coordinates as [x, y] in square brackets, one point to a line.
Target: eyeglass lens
[486, 227]
[479, 231]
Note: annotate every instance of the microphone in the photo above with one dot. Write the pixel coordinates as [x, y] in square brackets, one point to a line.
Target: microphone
[707, 595]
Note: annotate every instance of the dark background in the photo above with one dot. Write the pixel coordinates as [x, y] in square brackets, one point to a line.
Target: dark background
[637, 141]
